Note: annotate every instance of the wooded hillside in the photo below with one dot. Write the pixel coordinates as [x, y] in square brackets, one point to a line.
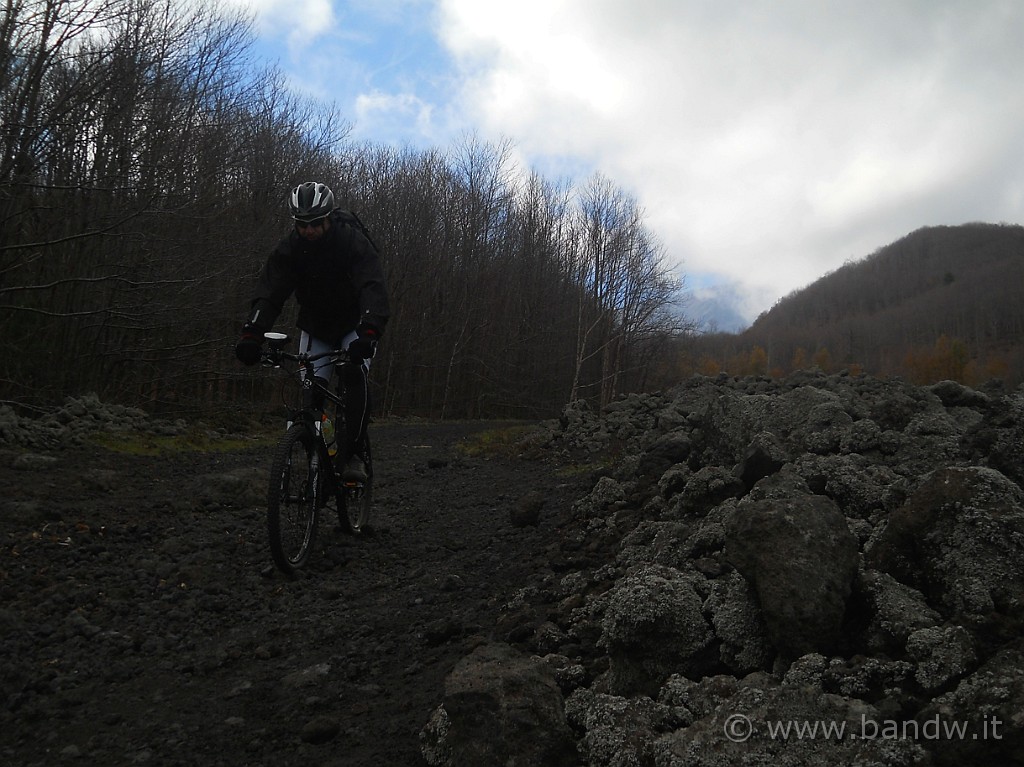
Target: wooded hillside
[942, 302]
[144, 167]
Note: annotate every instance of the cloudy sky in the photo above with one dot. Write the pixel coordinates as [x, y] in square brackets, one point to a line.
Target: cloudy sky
[768, 141]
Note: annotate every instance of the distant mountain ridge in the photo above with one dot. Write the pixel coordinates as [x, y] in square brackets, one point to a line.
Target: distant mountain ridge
[941, 291]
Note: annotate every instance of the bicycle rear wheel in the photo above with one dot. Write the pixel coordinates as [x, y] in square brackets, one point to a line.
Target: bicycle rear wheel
[293, 499]
[356, 499]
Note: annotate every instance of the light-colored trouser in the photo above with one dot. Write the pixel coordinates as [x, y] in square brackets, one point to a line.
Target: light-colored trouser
[324, 368]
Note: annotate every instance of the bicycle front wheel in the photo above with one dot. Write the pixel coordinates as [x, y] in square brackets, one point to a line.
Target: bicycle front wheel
[293, 498]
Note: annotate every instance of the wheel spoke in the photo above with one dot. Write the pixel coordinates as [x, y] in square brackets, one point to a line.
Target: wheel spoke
[292, 500]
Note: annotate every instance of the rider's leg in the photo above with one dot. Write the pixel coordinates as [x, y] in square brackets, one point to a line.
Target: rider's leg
[357, 415]
[357, 399]
[357, 405]
[323, 368]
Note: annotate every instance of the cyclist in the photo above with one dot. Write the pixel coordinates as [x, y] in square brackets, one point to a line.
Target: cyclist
[338, 281]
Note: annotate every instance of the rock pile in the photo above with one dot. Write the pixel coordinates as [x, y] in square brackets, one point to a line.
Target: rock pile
[812, 570]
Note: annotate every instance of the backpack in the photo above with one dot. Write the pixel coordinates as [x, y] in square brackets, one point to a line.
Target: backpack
[350, 218]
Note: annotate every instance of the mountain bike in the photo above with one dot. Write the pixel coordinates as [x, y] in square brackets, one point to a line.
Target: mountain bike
[303, 479]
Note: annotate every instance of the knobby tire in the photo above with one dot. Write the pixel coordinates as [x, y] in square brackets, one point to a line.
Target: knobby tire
[293, 499]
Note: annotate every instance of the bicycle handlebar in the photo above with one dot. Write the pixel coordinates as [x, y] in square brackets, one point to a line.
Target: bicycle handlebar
[273, 356]
[342, 354]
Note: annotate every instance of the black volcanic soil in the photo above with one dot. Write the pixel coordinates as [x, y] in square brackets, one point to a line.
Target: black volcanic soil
[141, 621]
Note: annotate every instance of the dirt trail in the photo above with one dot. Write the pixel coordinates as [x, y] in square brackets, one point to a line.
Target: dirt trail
[140, 622]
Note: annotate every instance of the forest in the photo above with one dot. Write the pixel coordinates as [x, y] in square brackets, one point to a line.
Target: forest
[144, 167]
[943, 302]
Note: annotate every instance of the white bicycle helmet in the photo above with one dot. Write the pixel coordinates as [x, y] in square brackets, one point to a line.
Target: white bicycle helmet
[310, 201]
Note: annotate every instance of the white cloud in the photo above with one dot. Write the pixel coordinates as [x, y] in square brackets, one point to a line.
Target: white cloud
[374, 59]
[406, 115]
[300, 22]
[768, 141]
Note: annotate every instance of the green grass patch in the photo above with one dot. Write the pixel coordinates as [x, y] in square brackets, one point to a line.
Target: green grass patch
[192, 441]
[501, 442]
[530, 440]
[574, 470]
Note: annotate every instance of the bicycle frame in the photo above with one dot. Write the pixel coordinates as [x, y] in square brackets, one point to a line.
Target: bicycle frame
[311, 384]
[296, 507]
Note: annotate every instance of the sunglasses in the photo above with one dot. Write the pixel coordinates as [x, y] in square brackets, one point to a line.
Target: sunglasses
[316, 223]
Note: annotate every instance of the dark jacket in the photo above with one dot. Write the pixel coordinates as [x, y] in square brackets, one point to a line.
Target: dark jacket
[338, 283]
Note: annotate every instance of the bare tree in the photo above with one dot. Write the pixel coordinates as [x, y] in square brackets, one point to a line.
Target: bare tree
[627, 288]
[143, 169]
